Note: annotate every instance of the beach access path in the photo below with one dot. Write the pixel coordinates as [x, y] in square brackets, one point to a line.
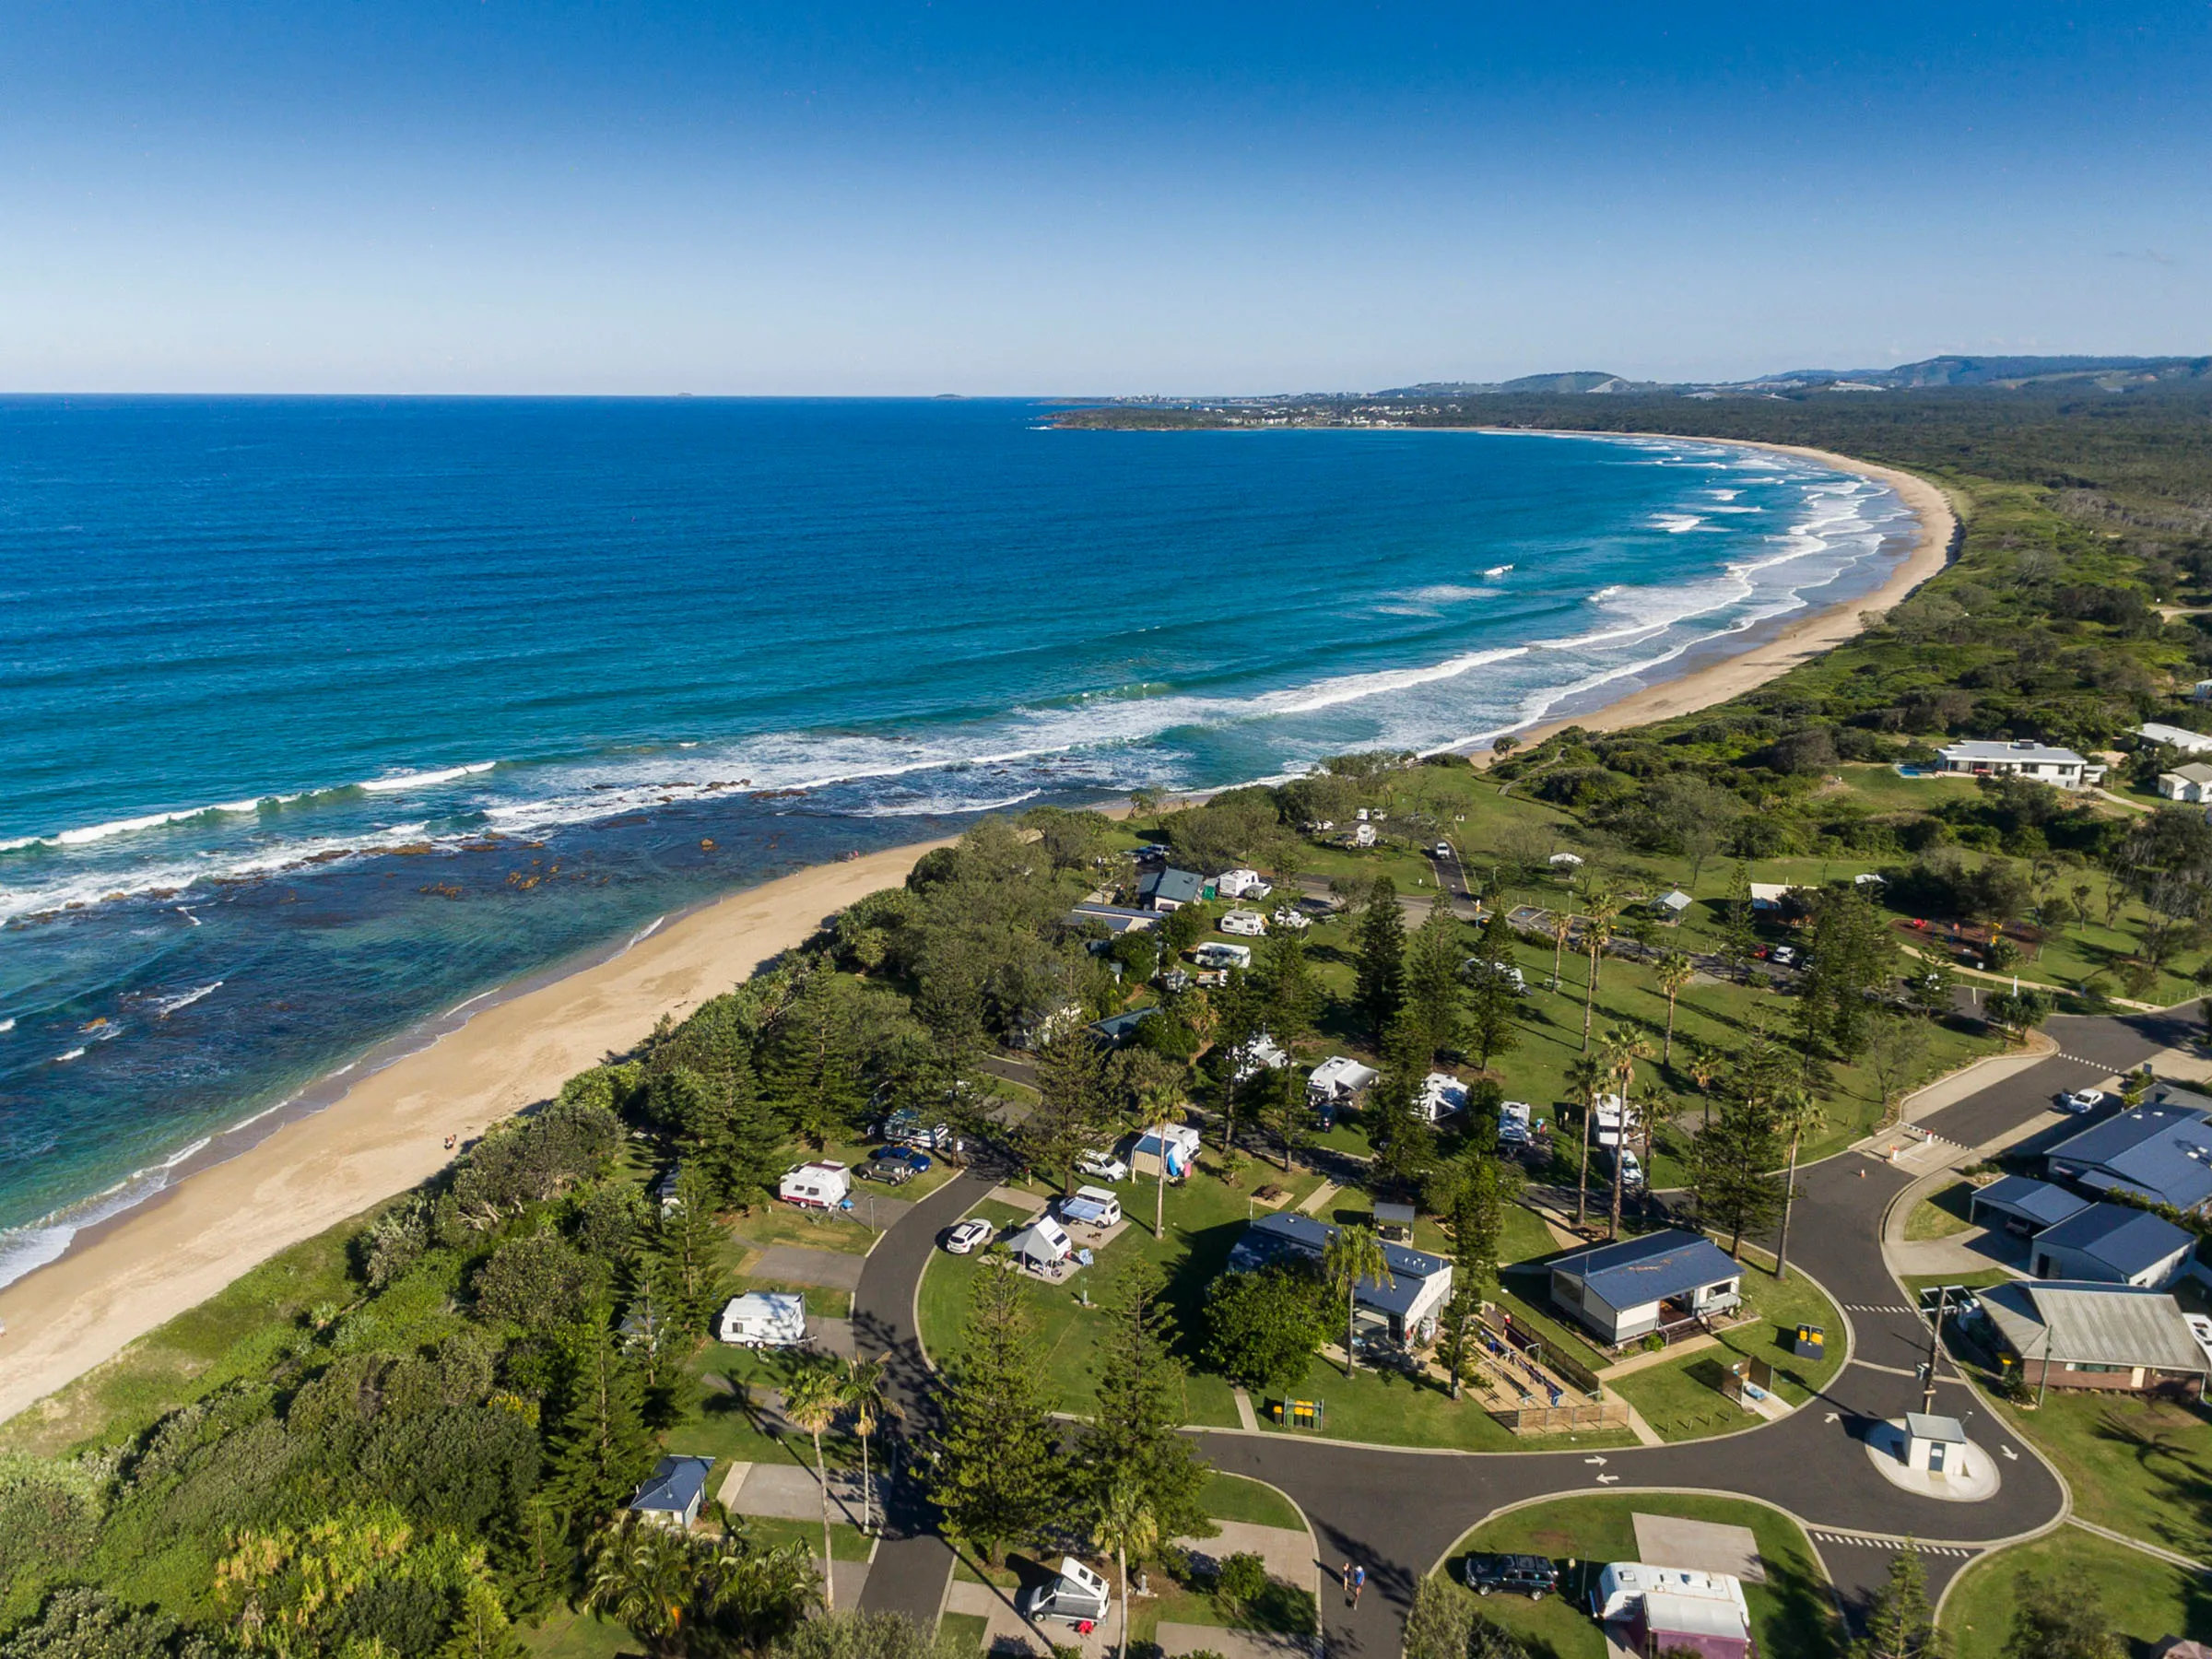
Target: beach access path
[388, 1133]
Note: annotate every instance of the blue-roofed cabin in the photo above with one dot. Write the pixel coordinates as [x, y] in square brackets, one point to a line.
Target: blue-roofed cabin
[672, 1495]
[2022, 1205]
[1628, 1290]
[1170, 889]
[2161, 1151]
[1406, 1300]
[2113, 1244]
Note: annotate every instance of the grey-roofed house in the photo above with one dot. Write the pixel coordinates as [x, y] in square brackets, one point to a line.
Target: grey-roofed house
[2110, 1337]
[1632, 1288]
[1118, 1030]
[1168, 888]
[671, 1495]
[2023, 1204]
[2161, 1151]
[2191, 783]
[1116, 919]
[2111, 1244]
[2022, 758]
[1415, 1284]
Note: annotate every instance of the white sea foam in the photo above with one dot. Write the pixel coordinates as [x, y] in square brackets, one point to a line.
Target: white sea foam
[23, 1248]
[75, 1054]
[168, 1005]
[423, 780]
[9, 1024]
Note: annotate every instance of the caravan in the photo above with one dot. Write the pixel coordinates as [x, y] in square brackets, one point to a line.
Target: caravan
[1218, 955]
[1249, 924]
[764, 1319]
[815, 1186]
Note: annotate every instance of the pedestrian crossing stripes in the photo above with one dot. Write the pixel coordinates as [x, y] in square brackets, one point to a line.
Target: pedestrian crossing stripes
[1865, 1541]
[1876, 1308]
[2084, 1060]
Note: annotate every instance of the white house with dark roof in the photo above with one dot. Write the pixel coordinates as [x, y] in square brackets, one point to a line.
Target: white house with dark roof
[2190, 783]
[2023, 757]
[672, 1494]
[1413, 1290]
[1630, 1289]
[2113, 1244]
[2161, 1151]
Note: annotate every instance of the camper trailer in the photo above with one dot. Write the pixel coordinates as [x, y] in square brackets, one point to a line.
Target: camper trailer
[1220, 955]
[1248, 923]
[815, 1186]
[1176, 1145]
[764, 1319]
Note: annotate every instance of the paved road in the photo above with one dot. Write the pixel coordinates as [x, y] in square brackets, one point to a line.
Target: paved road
[1397, 1512]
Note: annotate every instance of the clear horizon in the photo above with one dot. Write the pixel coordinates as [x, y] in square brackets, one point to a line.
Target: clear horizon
[903, 201]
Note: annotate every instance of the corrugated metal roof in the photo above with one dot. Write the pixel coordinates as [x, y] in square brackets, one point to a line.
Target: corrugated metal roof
[1650, 1268]
[2094, 1325]
[2127, 1241]
[2162, 1151]
[2035, 1201]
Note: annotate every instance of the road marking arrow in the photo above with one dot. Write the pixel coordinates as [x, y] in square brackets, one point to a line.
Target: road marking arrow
[1599, 1461]
[2010, 1455]
[1607, 1479]
[1835, 1417]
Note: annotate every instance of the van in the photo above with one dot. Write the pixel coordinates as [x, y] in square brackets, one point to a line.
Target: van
[764, 1319]
[1092, 1206]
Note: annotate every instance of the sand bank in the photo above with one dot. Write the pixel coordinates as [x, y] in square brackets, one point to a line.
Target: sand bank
[1716, 681]
[388, 1132]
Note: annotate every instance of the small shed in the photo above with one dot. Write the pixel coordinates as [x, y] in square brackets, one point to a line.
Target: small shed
[671, 1496]
[1769, 895]
[1672, 905]
[1932, 1442]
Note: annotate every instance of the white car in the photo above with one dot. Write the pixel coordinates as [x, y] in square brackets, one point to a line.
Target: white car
[2084, 1099]
[963, 1237]
[1288, 916]
[1784, 955]
[1443, 848]
[1103, 1165]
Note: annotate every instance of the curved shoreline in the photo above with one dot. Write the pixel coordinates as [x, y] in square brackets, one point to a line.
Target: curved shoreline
[331, 1153]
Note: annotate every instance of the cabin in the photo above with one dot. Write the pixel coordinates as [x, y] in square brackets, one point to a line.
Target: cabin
[2189, 784]
[2173, 736]
[1672, 906]
[1405, 1301]
[1115, 919]
[671, 1496]
[2109, 1338]
[2023, 757]
[1629, 1288]
[2161, 1151]
[1168, 888]
[2113, 1244]
[1119, 1030]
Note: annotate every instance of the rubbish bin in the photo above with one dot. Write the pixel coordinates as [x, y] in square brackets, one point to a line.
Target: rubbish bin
[1811, 1342]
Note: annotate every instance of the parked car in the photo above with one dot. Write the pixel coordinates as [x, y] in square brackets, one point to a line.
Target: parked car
[895, 1166]
[1102, 1166]
[1631, 1167]
[1443, 848]
[1784, 955]
[1077, 1596]
[1291, 917]
[1533, 1576]
[2082, 1099]
[963, 1237]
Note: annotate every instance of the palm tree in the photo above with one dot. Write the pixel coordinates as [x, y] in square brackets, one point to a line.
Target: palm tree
[1619, 1051]
[1598, 933]
[1562, 924]
[1586, 1076]
[1126, 1526]
[764, 1591]
[1355, 1254]
[863, 1394]
[811, 1402]
[643, 1574]
[1675, 970]
[1651, 1106]
[1796, 1114]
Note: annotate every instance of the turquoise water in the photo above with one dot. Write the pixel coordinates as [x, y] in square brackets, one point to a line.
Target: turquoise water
[319, 717]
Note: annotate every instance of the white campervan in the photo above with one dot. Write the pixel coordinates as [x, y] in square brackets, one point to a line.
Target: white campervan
[764, 1319]
[1218, 955]
[815, 1186]
[1092, 1206]
[1250, 923]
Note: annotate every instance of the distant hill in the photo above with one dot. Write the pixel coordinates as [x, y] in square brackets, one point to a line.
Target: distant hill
[2109, 373]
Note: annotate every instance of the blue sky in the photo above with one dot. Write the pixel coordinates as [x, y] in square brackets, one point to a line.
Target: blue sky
[491, 196]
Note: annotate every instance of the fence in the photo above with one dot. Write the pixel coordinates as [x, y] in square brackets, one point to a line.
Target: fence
[1564, 1419]
[1521, 1339]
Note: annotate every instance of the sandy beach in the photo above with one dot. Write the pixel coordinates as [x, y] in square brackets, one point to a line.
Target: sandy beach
[1797, 641]
[388, 1132]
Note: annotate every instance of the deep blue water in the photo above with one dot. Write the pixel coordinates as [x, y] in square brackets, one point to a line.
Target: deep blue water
[251, 650]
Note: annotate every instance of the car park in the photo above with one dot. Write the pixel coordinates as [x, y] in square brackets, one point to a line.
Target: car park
[2082, 1099]
[1533, 1576]
[963, 1237]
[1102, 1166]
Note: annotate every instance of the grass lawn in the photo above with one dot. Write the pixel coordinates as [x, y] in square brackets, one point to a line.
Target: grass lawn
[1233, 1498]
[811, 1229]
[1391, 1409]
[1980, 1279]
[2144, 1598]
[1941, 1214]
[846, 1543]
[2143, 1467]
[968, 1628]
[1204, 1219]
[569, 1635]
[1682, 1399]
[1791, 1613]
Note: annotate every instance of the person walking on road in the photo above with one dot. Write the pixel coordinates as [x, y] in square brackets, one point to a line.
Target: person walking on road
[1358, 1583]
[1351, 1596]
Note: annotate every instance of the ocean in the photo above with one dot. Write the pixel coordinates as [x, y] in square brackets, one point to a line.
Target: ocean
[320, 718]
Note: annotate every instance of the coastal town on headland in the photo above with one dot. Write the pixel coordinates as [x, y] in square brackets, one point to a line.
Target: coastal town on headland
[1727, 1173]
